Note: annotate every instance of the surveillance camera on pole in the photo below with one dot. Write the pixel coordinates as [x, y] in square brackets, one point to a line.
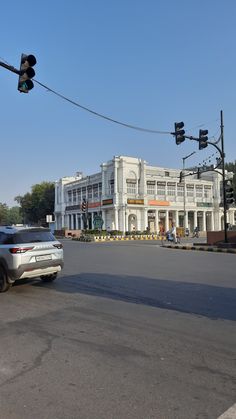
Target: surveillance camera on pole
[26, 73]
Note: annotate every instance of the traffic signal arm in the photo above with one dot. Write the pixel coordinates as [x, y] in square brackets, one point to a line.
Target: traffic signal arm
[9, 67]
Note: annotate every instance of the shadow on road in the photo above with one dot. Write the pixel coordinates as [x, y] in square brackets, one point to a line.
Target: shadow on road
[203, 300]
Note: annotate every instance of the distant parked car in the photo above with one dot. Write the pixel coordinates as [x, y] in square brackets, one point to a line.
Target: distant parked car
[28, 252]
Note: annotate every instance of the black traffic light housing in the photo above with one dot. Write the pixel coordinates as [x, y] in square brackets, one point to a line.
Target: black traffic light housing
[229, 192]
[203, 138]
[26, 73]
[84, 206]
[181, 175]
[179, 132]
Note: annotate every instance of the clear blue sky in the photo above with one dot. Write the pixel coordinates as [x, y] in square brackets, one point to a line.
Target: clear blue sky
[147, 63]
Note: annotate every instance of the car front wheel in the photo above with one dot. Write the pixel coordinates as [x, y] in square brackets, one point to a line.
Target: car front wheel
[49, 278]
[4, 284]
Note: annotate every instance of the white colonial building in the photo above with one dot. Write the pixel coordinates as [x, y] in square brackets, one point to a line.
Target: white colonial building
[130, 195]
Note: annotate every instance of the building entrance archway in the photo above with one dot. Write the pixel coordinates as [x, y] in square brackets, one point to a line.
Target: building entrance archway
[132, 222]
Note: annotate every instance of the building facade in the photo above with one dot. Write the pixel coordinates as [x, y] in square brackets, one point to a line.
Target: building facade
[130, 195]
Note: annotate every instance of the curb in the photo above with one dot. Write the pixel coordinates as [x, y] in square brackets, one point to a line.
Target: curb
[109, 239]
[202, 248]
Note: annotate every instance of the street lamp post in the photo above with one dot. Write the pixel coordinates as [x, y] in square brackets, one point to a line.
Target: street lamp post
[185, 158]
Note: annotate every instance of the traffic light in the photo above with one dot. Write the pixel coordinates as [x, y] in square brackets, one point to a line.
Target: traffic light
[229, 192]
[26, 73]
[198, 173]
[203, 138]
[179, 132]
[84, 206]
[180, 177]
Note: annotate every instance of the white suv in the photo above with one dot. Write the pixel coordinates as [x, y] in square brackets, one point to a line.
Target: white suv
[28, 252]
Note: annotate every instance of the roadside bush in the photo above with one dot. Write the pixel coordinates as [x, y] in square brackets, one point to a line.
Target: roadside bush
[115, 233]
[95, 232]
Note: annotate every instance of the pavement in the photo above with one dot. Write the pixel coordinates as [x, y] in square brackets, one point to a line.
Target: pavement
[199, 244]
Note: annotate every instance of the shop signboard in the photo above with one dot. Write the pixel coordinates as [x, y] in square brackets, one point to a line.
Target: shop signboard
[135, 201]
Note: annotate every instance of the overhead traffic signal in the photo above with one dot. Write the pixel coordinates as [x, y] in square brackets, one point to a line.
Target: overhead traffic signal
[203, 138]
[179, 132]
[229, 192]
[26, 73]
[181, 177]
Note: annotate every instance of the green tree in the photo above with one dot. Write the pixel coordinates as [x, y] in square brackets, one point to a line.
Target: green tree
[3, 213]
[14, 216]
[37, 204]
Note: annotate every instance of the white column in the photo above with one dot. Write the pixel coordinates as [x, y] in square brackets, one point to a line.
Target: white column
[167, 221]
[212, 221]
[124, 219]
[220, 224]
[104, 220]
[186, 219]
[145, 219]
[195, 219]
[127, 220]
[76, 222]
[116, 219]
[115, 187]
[139, 220]
[231, 216]
[204, 221]
[157, 221]
[177, 218]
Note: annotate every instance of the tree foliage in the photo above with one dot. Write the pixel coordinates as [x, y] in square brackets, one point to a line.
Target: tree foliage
[9, 216]
[3, 213]
[38, 203]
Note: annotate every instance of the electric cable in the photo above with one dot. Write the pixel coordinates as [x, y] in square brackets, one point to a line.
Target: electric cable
[152, 131]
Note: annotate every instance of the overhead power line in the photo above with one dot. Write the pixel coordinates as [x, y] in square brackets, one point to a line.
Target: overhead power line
[152, 131]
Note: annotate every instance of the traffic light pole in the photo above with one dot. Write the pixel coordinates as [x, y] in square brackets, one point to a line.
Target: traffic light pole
[223, 173]
[222, 155]
[185, 158]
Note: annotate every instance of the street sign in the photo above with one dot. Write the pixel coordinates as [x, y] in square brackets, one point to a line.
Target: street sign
[97, 222]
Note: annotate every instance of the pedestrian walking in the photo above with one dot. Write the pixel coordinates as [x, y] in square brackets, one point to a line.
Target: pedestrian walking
[174, 233]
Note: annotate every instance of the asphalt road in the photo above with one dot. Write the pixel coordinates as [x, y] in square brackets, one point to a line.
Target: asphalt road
[130, 330]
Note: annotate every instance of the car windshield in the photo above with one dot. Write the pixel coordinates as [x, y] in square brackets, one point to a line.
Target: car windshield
[33, 236]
